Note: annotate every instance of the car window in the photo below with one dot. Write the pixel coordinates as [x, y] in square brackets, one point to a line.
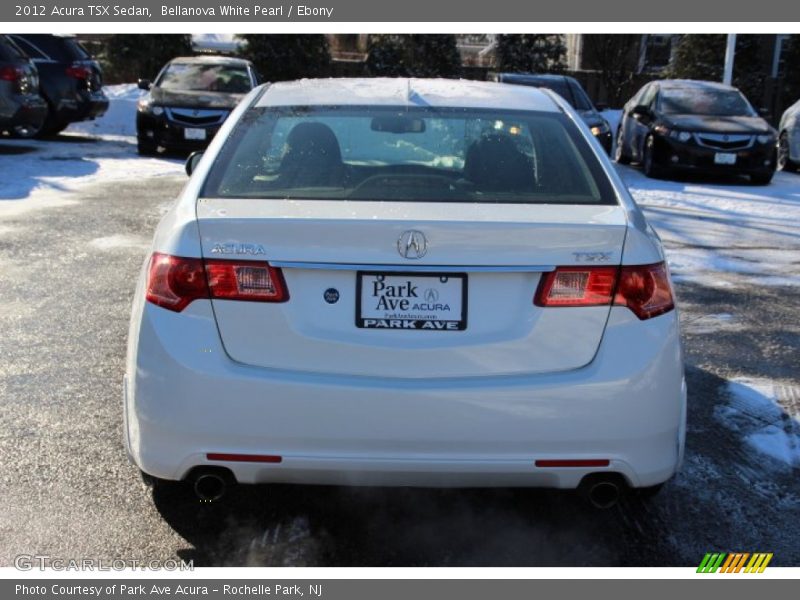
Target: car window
[205, 78]
[696, 101]
[581, 100]
[9, 51]
[29, 49]
[401, 154]
[649, 96]
[74, 49]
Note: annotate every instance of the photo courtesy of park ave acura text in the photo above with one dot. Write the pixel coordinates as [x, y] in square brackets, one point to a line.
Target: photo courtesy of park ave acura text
[397, 299]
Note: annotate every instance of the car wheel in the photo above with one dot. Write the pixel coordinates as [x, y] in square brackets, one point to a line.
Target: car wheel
[26, 131]
[784, 163]
[53, 125]
[619, 152]
[145, 147]
[761, 178]
[649, 166]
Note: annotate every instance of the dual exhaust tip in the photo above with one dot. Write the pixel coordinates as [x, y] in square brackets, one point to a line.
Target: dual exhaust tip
[601, 490]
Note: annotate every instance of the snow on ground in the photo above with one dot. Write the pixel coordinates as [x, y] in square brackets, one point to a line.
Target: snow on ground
[753, 411]
[44, 173]
[724, 232]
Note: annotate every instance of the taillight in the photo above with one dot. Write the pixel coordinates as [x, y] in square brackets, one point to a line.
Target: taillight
[173, 282]
[11, 73]
[577, 286]
[246, 280]
[645, 289]
[79, 72]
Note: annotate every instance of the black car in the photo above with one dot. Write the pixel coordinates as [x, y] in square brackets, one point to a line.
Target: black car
[71, 80]
[572, 91]
[685, 125]
[22, 110]
[189, 100]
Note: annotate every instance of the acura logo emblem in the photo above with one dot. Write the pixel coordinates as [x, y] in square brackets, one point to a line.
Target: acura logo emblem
[412, 244]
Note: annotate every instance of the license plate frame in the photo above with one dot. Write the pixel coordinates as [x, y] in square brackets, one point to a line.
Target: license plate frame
[372, 321]
[724, 158]
[194, 133]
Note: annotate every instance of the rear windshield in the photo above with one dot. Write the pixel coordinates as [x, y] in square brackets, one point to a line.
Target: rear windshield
[408, 154]
[58, 48]
[9, 52]
[205, 78]
[728, 103]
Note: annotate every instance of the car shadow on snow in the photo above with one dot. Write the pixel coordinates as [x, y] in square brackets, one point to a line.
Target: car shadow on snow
[725, 497]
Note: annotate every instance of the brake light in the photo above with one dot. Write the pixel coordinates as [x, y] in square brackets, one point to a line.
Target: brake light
[79, 72]
[173, 282]
[10, 74]
[644, 289]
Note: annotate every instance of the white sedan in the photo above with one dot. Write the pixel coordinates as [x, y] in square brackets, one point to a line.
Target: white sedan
[407, 283]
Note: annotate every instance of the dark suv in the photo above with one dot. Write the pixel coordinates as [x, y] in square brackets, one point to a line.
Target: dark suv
[702, 126]
[71, 80]
[22, 110]
[572, 91]
[189, 100]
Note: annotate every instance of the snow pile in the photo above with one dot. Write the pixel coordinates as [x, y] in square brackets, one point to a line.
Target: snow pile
[120, 119]
[754, 413]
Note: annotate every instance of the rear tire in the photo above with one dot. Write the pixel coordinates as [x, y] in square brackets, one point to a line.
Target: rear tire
[619, 150]
[26, 131]
[784, 163]
[52, 124]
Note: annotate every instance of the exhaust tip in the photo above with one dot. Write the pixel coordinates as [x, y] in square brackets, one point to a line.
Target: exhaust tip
[602, 490]
[210, 487]
[604, 494]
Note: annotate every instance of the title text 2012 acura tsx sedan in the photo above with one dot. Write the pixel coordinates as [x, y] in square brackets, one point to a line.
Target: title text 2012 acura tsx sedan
[409, 283]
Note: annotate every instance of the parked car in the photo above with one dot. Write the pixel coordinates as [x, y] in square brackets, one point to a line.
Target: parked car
[687, 125]
[71, 81]
[572, 91]
[22, 110]
[405, 282]
[789, 139]
[189, 100]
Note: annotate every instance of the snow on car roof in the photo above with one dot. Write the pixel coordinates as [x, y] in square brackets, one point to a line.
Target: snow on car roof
[452, 93]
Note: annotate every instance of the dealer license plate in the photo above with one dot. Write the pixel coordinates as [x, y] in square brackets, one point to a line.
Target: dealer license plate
[194, 134]
[432, 301]
[725, 158]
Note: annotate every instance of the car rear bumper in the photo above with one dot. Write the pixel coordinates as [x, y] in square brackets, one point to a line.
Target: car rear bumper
[25, 110]
[184, 398]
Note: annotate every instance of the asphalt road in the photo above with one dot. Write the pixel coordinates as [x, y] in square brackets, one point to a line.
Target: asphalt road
[67, 275]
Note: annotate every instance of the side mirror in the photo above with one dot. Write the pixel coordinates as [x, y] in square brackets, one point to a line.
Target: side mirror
[144, 84]
[763, 111]
[601, 106]
[640, 111]
[192, 160]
